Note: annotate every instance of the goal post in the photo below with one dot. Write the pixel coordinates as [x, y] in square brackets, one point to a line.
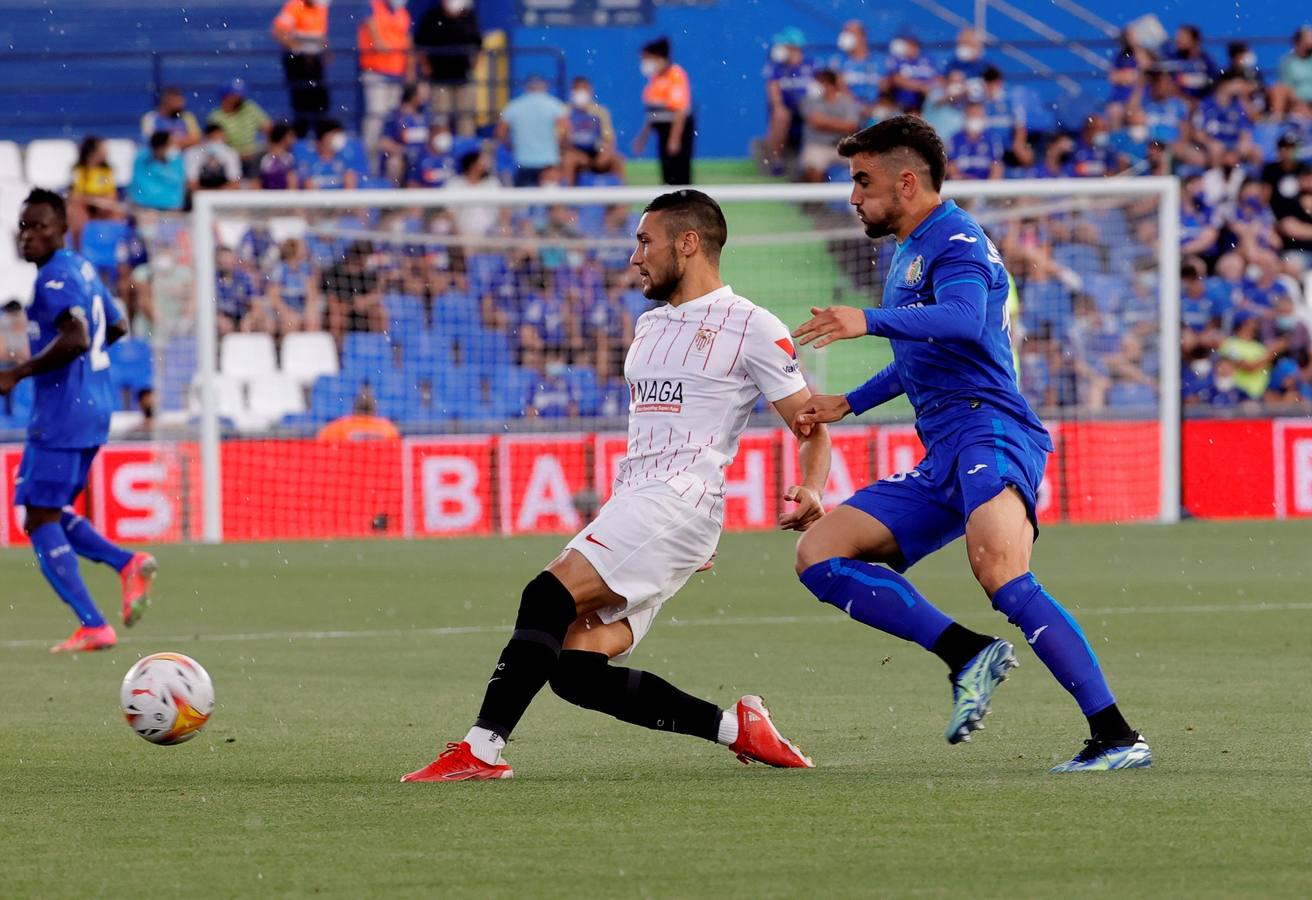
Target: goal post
[790, 247]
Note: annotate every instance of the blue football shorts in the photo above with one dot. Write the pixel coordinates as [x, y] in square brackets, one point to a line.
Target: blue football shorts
[927, 508]
[51, 478]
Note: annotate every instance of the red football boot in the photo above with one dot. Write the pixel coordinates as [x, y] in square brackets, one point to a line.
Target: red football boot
[758, 739]
[136, 577]
[458, 763]
[85, 639]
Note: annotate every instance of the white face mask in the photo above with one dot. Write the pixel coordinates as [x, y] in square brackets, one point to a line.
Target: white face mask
[1138, 133]
[398, 4]
[779, 53]
[967, 53]
[1225, 382]
[581, 97]
[815, 89]
[1253, 273]
[847, 42]
[1200, 367]
[649, 67]
[1101, 138]
[975, 124]
[555, 368]
[442, 141]
[456, 7]
[899, 48]
[1248, 60]
[574, 259]
[337, 143]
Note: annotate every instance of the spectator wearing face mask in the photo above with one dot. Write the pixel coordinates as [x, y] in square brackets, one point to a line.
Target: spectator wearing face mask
[328, 168]
[1251, 358]
[1056, 159]
[278, 164]
[1291, 381]
[828, 116]
[591, 136]
[551, 396]
[860, 71]
[170, 115]
[213, 164]
[1295, 82]
[667, 99]
[967, 62]
[1006, 119]
[1128, 64]
[1199, 224]
[788, 75]
[974, 153]
[449, 40]
[1093, 156]
[301, 27]
[1294, 222]
[1166, 114]
[473, 173]
[1130, 141]
[159, 178]
[386, 64]
[1224, 121]
[909, 73]
[1253, 223]
[405, 136]
[245, 124]
[437, 164]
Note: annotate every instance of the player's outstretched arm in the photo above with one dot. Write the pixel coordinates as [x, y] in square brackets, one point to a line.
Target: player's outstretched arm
[72, 342]
[821, 408]
[831, 323]
[813, 461]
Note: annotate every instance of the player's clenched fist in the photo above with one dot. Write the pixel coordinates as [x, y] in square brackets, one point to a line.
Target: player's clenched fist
[808, 509]
[822, 408]
[831, 323]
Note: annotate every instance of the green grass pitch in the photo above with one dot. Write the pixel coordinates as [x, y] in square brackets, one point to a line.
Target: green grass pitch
[339, 666]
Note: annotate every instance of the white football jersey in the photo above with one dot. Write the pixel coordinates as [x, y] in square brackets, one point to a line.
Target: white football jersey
[695, 372]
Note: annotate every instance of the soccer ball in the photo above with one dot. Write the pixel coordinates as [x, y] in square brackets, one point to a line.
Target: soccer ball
[167, 698]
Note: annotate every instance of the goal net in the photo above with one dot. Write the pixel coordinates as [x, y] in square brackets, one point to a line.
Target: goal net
[424, 363]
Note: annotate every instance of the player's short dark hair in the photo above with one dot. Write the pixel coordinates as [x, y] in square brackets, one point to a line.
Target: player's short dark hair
[43, 197]
[910, 134]
[659, 47]
[690, 210]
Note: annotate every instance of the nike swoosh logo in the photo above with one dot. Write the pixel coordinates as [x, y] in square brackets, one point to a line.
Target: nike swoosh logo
[593, 540]
[964, 238]
[1035, 636]
[977, 468]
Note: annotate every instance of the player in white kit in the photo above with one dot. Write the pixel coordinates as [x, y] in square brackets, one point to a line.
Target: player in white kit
[696, 368]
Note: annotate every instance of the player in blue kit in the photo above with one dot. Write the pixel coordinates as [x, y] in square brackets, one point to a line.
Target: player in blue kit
[71, 323]
[945, 312]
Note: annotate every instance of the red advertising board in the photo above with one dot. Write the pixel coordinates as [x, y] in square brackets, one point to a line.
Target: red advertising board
[539, 479]
[309, 489]
[448, 486]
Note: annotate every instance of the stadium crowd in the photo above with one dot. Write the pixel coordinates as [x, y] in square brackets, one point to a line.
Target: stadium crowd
[552, 307]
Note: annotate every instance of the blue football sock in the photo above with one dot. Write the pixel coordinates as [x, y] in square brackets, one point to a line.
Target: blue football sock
[878, 597]
[88, 542]
[59, 564]
[1056, 639]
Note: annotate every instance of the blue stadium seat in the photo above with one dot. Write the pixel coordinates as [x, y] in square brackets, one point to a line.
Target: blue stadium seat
[583, 385]
[485, 351]
[485, 271]
[394, 392]
[426, 356]
[455, 313]
[1047, 302]
[406, 317]
[367, 354]
[1123, 394]
[100, 239]
[509, 391]
[1082, 259]
[131, 369]
[332, 396]
[460, 393]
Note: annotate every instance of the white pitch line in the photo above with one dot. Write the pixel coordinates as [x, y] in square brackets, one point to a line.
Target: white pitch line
[223, 637]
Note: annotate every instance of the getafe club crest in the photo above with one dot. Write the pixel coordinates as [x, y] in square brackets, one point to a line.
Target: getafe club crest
[915, 271]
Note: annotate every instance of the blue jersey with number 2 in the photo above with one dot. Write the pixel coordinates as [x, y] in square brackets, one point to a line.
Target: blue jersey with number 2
[945, 313]
[72, 403]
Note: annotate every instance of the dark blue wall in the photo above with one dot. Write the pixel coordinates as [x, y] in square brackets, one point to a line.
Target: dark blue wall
[49, 86]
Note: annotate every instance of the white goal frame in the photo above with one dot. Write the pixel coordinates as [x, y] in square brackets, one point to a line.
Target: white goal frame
[210, 205]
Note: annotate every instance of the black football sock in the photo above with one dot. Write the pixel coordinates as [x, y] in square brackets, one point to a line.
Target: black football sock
[588, 680]
[1109, 724]
[957, 646]
[545, 613]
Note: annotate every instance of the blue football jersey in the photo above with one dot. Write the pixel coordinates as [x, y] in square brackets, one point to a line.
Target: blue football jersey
[72, 404]
[942, 372]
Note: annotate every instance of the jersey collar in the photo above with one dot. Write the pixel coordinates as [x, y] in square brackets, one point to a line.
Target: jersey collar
[721, 293]
[942, 210]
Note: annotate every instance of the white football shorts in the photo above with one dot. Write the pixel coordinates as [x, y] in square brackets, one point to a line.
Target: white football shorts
[646, 544]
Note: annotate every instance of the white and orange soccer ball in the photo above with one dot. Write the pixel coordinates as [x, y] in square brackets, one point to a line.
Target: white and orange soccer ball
[167, 698]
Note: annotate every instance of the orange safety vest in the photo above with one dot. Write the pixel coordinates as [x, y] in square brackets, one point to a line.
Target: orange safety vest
[359, 427]
[390, 55]
[302, 19]
[667, 92]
